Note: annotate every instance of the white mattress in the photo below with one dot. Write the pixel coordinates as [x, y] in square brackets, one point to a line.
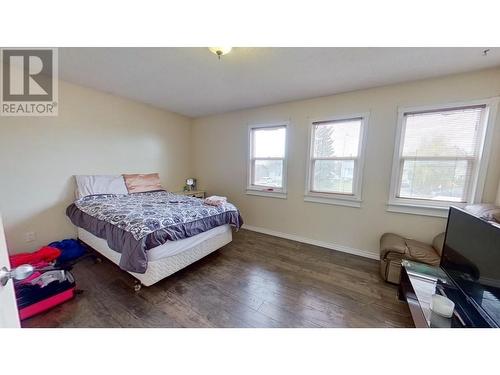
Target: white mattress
[171, 248]
[175, 256]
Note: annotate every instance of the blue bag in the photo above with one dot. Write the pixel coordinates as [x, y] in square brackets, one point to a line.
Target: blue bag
[71, 249]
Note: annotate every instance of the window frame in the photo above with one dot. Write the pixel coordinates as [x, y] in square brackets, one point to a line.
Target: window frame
[350, 200]
[479, 164]
[260, 190]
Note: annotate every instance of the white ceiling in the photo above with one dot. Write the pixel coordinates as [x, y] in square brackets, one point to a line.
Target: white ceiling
[193, 82]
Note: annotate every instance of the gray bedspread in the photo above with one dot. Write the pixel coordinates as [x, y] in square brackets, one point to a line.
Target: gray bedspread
[134, 223]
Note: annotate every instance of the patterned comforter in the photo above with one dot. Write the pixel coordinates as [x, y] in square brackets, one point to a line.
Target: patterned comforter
[135, 223]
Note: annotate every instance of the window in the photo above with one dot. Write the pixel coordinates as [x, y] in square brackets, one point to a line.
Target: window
[439, 159]
[335, 161]
[267, 163]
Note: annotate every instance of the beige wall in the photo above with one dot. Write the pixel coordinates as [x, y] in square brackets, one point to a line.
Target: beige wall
[95, 133]
[220, 152]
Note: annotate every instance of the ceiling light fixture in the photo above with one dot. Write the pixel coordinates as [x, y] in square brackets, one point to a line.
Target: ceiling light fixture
[220, 51]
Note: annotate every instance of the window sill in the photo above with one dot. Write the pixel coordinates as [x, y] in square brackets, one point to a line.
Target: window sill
[337, 201]
[265, 193]
[422, 210]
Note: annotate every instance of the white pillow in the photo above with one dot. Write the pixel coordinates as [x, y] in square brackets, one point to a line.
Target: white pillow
[105, 184]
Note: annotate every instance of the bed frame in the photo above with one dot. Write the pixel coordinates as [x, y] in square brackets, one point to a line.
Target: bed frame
[161, 268]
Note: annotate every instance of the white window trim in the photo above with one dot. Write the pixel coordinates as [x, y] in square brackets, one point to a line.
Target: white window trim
[348, 200]
[475, 190]
[264, 191]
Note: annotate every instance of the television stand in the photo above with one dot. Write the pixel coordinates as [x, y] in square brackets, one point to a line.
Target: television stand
[418, 283]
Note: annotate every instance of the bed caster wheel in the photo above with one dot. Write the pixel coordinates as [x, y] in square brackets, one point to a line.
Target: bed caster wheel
[137, 286]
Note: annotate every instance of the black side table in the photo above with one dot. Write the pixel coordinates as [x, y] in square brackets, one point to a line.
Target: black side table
[418, 283]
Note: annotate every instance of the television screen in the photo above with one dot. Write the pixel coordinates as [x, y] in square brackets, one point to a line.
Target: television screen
[471, 257]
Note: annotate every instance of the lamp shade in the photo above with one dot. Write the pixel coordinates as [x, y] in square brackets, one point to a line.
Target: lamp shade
[220, 51]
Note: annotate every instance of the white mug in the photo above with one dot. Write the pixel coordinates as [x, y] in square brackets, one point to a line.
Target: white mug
[442, 306]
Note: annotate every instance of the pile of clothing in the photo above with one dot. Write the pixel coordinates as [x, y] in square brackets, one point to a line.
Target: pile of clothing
[56, 253]
[51, 283]
[215, 200]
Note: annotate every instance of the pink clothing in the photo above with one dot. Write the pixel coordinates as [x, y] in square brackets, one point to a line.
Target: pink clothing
[215, 200]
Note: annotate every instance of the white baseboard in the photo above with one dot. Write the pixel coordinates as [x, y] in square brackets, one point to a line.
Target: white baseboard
[328, 245]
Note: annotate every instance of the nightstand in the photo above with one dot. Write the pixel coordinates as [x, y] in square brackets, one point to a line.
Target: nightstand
[192, 193]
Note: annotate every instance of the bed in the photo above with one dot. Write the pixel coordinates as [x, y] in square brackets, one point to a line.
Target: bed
[152, 235]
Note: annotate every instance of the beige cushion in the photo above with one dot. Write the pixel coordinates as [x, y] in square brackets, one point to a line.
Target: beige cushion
[140, 183]
[422, 252]
[390, 242]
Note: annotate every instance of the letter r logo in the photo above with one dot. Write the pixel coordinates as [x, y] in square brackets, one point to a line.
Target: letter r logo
[27, 75]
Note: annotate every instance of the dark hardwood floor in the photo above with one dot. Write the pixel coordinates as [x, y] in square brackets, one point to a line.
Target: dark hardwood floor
[255, 281]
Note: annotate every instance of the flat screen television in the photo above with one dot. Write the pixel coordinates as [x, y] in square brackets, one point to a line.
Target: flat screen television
[471, 258]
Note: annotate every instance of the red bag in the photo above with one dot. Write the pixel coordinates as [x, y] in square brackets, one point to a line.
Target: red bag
[36, 296]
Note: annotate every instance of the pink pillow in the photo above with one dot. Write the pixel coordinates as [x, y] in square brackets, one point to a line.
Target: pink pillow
[140, 183]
